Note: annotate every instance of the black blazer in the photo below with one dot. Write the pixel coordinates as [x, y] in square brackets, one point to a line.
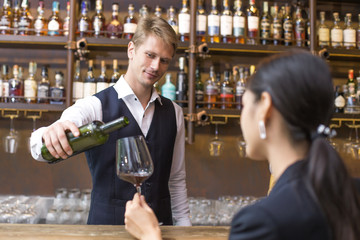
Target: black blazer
[288, 213]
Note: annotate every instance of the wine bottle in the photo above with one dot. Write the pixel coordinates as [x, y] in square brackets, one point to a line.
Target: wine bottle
[93, 134]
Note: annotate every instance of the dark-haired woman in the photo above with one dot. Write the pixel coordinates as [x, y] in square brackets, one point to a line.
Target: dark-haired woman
[288, 105]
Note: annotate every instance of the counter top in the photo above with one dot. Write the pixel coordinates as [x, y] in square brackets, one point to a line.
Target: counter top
[104, 232]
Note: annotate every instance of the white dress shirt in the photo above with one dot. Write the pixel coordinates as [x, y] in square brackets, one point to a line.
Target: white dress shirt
[89, 109]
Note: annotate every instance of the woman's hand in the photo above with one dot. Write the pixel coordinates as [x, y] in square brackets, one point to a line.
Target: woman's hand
[140, 220]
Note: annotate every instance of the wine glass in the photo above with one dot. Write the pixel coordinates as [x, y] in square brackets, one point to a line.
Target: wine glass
[216, 145]
[133, 160]
[12, 139]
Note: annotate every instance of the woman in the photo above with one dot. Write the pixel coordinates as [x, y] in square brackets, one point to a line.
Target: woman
[287, 106]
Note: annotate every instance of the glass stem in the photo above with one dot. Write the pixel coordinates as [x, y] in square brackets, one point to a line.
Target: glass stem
[138, 188]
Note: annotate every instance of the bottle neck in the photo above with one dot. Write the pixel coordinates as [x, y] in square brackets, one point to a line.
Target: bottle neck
[114, 125]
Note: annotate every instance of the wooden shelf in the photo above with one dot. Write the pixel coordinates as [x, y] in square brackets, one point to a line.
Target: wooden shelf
[38, 42]
[33, 106]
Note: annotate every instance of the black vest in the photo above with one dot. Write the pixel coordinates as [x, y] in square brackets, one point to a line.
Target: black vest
[109, 193]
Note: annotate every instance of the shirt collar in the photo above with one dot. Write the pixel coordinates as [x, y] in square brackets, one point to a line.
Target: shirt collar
[124, 90]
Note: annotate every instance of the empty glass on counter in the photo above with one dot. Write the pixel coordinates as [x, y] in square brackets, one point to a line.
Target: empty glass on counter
[12, 139]
[216, 145]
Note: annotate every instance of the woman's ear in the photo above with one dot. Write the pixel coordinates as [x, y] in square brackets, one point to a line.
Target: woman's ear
[265, 106]
[131, 50]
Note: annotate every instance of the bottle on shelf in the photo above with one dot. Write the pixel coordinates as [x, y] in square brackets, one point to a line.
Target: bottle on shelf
[115, 28]
[210, 90]
[349, 33]
[199, 88]
[336, 32]
[358, 90]
[323, 32]
[144, 11]
[182, 83]
[116, 75]
[98, 20]
[288, 26]
[171, 19]
[66, 25]
[277, 26]
[57, 92]
[339, 100]
[25, 20]
[43, 86]
[252, 23]
[55, 24]
[299, 28]
[130, 23]
[84, 24]
[90, 81]
[351, 101]
[40, 23]
[158, 11]
[226, 21]
[168, 89]
[358, 33]
[238, 23]
[16, 17]
[226, 92]
[265, 24]
[78, 84]
[102, 82]
[30, 84]
[184, 22]
[93, 134]
[5, 83]
[240, 89]
[201, 22]
[214, 23]
[16, 86]
[6, 18]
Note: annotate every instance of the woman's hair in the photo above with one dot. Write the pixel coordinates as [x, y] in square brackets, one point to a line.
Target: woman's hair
[156, 26]
[301, 89]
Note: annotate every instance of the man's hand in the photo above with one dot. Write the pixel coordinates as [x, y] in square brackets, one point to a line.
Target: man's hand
[55, 139]
[140, 220]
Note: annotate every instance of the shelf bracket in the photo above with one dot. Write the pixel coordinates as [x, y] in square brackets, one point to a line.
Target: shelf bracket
[10, 113]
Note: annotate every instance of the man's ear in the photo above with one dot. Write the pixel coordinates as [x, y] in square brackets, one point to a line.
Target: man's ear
[131, 50]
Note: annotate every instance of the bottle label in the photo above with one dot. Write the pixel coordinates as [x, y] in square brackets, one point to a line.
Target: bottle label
[23, 24]
[4, 23]
[336, 36]
[201, 23]
[288, 30]
[89, 89]
[57, 93]
[5, 88]
[83, 25]
[253, 23]
[277, 30]
[265, 28]
[184, 23]
[30, 88]
[98, 24]
[43, 91]
[199, 95]
[38, 25]
[240, 90]
[324, 35]
[211, 90]
[78, 90]
[239, 26]
[53, 27]
[101, 86]
[349, 37]
[1, 87]
[213, 25]
[226, 25]
[130, 27]
[340, 101]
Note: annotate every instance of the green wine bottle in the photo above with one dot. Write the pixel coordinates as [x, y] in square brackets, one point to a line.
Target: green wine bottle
[93, 134]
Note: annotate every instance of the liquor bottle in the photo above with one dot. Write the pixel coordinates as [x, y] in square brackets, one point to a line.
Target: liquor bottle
[130, 23]
[66, 25]
[351, 81]
[30, 84]
[90, 82]
[308, 28]
[351, 96]
[323, 32]
[102, 82]
[214, 23]
[184, 22]
[181, 83]
[199, 88]
[16, 17]
[57, 92]
[336, 32]
[252, 23]
[288, 26]
[299, 28]
[226, 92]
[277, 26]
[265, 24]
[78, 84]
[15, 86]
[93, 134]
[25, 22]
[226, 20]
[168, 89]
[240, 89]
[358, 33]
[84, 24]
[158, 11]
[5, 83]
[115, 28]
[6, 18]
[116, 75]
[55, 24]
[210, 90]
[349, 33]
[40, 23]
[98, 20]
[238, 23]
[171, 19]
[339, 100]
[201, 22]
[144, 11]
[43, 86]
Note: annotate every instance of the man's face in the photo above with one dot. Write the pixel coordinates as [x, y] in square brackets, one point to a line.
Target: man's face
[150, 60]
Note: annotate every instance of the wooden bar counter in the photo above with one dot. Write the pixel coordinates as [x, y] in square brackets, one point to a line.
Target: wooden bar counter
[60, 232]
